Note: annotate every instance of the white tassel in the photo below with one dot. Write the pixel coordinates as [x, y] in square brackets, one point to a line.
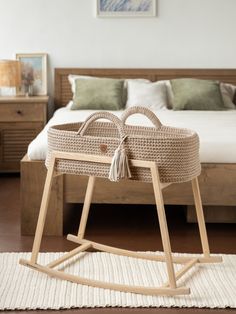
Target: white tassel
[120, 165]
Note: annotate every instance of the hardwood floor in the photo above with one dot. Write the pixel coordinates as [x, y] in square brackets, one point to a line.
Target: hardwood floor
[131, 227]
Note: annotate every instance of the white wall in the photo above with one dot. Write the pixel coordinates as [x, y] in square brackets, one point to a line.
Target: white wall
[186, 33]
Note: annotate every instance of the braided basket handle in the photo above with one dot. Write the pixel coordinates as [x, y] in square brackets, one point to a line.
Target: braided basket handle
[147, 112]
[102, 115]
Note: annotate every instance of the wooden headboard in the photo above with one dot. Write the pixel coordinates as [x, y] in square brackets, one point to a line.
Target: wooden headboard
[63, 92]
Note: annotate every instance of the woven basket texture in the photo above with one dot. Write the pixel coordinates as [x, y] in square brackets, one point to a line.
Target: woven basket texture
[175, 150]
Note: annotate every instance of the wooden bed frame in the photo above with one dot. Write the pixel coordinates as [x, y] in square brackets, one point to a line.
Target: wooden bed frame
[217, 181]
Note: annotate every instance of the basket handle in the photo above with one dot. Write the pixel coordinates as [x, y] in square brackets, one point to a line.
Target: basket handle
[102, 115]
[147, 112]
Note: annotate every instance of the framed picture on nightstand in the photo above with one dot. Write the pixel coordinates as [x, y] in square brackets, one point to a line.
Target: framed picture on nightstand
[33, 73]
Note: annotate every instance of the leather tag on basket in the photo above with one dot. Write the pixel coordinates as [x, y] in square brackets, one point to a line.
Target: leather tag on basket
[103, 148]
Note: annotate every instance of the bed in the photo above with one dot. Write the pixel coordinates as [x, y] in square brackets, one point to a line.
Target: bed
[218, 156]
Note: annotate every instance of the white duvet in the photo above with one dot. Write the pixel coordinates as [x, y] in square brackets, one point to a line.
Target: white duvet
[216, 130]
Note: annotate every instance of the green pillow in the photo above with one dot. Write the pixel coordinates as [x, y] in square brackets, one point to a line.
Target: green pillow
[194, 94]
[98, 93]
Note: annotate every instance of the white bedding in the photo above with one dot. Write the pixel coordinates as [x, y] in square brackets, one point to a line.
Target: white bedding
[216, 129]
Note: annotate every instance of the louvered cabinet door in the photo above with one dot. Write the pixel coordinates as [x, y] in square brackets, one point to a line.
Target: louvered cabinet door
[21, 119]
[15, 138]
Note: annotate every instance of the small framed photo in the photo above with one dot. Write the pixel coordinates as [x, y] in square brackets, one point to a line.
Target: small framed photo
[33, 73]
[126, 8]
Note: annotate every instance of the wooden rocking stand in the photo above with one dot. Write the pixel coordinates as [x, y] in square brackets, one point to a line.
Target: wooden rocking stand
[168, 288]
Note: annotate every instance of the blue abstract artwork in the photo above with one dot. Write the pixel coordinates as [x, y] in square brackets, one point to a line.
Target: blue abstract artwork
[145, 7]
[125, 5]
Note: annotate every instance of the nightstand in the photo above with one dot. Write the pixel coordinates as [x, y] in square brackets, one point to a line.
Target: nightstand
[21, 119]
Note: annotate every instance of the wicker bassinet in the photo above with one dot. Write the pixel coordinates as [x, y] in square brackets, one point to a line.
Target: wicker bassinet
[175, 150]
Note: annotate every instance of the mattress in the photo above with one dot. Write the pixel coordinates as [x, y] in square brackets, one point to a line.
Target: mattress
[216, 130]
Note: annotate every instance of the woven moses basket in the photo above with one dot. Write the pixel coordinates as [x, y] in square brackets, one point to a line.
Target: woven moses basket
[175, 150]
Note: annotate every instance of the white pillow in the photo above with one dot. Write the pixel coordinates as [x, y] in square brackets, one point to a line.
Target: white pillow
[149, 95]
[228, 91]
[135, 80]
[170, 95]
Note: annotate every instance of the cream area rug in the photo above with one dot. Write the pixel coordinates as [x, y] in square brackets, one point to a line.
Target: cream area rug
[212, 285]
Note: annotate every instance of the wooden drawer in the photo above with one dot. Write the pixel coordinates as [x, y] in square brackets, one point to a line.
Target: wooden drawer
[22, 112]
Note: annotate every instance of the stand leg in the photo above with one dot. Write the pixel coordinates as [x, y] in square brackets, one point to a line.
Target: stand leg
[200, 217]
[43, 212]
[163, 226]
[86, 207]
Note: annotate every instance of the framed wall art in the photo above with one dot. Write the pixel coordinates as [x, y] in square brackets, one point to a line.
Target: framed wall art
[33, 73]
[126, 8]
